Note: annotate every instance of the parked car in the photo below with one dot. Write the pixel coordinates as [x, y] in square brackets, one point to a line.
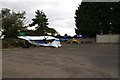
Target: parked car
[73, 41]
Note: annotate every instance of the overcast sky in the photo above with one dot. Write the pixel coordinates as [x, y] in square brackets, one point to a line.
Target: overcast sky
[60, 13]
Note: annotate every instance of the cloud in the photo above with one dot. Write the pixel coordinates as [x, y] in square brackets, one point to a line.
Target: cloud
[60, 13]
[101, 0]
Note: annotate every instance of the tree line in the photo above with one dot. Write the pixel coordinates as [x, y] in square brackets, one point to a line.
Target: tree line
[93, 18]
[13, 24]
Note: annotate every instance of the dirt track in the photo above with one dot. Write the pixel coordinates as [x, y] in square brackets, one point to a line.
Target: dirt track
[70, 61]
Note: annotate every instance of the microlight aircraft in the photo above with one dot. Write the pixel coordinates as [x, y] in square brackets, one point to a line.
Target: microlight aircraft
[42, 40]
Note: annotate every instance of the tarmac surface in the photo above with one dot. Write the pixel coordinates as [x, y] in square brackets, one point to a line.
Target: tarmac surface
[84, 60]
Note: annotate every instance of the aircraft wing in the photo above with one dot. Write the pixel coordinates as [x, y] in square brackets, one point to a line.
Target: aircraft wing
[36, 37]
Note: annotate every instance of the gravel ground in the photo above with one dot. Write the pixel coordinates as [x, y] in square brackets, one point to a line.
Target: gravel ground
[88, 60]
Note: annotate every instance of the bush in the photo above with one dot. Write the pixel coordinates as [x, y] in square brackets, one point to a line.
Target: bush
[10, 43]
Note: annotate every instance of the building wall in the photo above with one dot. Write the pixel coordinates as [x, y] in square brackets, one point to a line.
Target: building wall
[107, 38]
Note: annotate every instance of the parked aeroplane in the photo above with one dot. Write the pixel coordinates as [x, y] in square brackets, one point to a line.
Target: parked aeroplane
[42, 40]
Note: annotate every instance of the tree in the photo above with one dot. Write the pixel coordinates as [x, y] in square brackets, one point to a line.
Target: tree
[12, 22]
[97, 17]
[65, 35]
[41, 21]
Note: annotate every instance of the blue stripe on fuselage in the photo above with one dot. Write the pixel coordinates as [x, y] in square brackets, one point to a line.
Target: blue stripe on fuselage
[27, 38]
[42, 42]
[57, 40]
